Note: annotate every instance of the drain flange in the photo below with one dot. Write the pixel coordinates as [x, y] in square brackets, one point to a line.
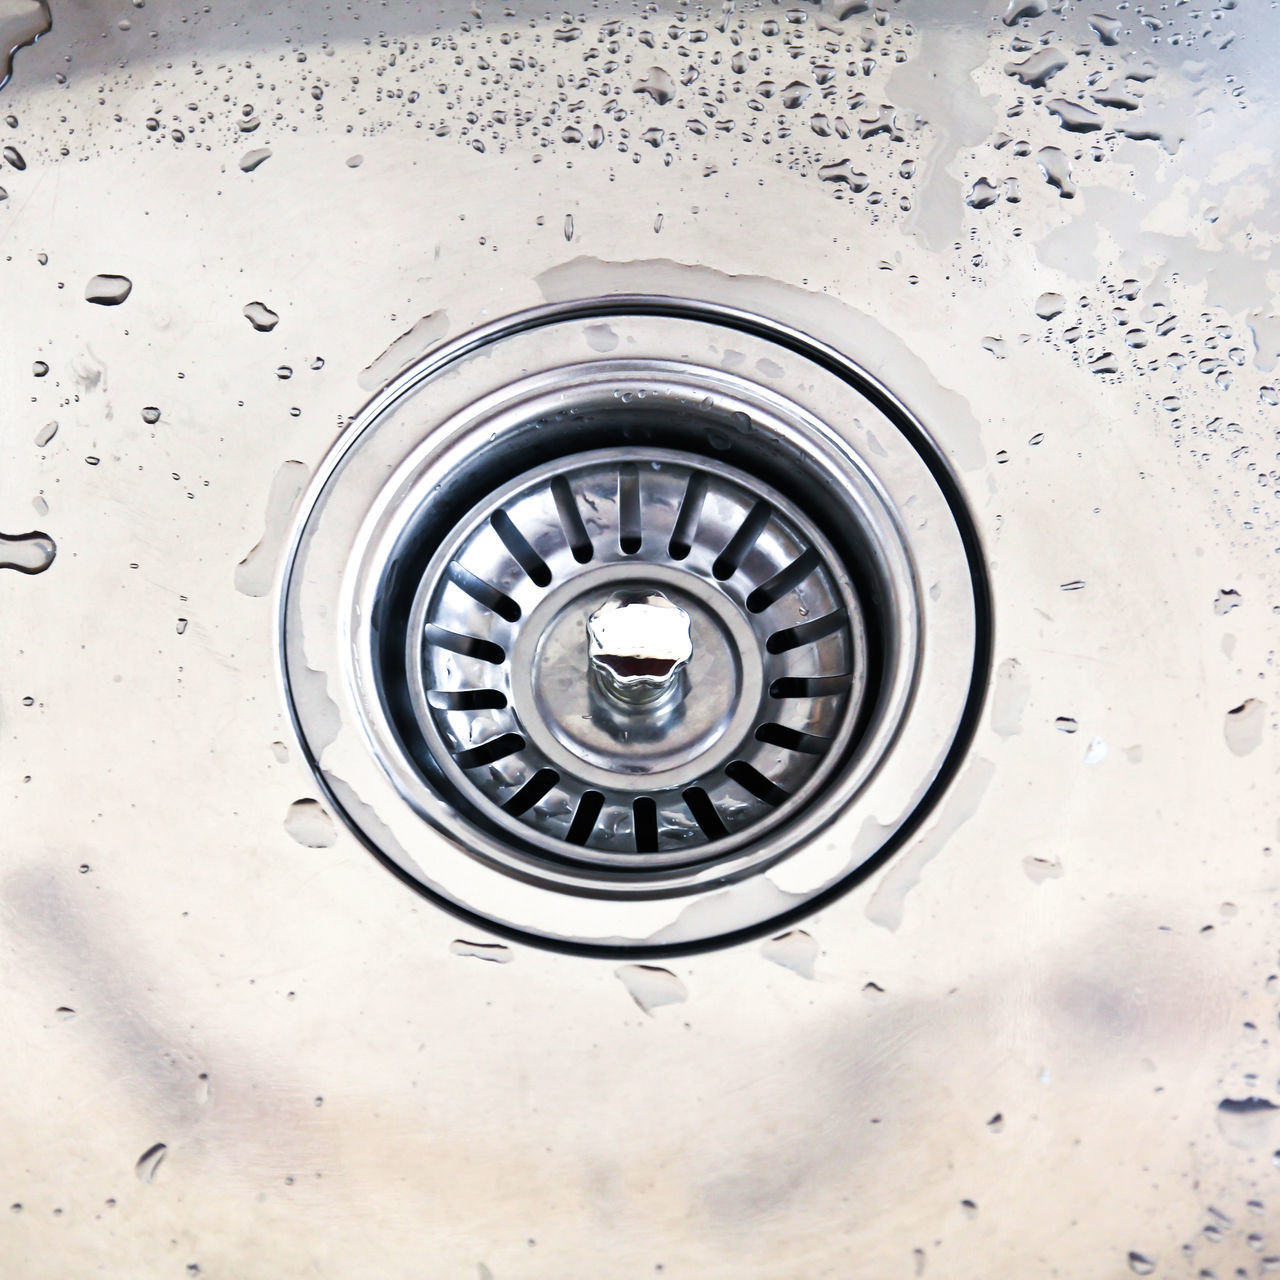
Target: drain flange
[631, 651]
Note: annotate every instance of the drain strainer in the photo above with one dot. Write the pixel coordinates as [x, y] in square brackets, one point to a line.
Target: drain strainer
[620, 658]
[632, 624]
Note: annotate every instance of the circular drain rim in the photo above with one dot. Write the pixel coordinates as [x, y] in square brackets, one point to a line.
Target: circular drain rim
[717, 903]
[673, 392]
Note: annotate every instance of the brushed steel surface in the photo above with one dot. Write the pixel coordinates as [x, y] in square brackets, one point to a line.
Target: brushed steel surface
[1039, 1040]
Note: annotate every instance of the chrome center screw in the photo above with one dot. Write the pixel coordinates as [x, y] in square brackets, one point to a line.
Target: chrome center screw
[638, 643]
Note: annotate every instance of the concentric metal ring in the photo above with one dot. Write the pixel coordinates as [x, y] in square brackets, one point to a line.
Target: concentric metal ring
[496, 655]
[433, 623]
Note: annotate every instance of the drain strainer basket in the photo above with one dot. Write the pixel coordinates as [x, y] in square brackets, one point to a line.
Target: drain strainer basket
[633, 624]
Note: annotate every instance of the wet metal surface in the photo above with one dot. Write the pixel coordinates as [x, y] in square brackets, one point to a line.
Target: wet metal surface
[1039, 1040]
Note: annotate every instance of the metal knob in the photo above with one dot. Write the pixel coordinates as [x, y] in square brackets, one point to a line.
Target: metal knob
[638, 643]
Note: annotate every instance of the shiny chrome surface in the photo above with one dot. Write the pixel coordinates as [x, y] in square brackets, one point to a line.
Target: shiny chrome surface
[1037, 1038]
[366, 580]
[638, 647]
[518, 603]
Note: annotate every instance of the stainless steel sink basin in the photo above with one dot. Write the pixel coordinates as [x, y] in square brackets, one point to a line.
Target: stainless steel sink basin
[891, 892]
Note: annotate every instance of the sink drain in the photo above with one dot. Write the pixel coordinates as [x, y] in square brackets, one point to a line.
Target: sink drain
[642, 657]
[632, 623]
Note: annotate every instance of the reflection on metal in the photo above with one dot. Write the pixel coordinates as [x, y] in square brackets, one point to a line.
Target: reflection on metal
[1029, 1030]
[467, 527]
[519, 703]
[638, 644]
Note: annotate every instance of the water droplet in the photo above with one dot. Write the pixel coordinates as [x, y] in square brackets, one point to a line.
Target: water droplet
[310, 825]
[1247, 1122]
[108, 290]
[1244, 725]
[651, 987]
[181, 627]
[1076, 584]
[796, 94]
[149, 1162]
[354, 162]
[1228, 598]
[151, 415]
[844, 172]
[1010, 693]
[22, 23]
[1039, 68]
[658, 84]
[982, 195]
[1041, 869]
[1073, 117]
[1049, 305]
[39, 368]
[795, 950]
[27, 552]
[261, 316]
[407, 348]
[1017, 10]
[252, 159]
[1056, 168]
[884, 121]
[14, 158]
[45, 434]
[1107, 29]
[495, 952]
[601, 338]
[568, 226]
[1065, 724]
[1140, 1264]
[254, 572]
